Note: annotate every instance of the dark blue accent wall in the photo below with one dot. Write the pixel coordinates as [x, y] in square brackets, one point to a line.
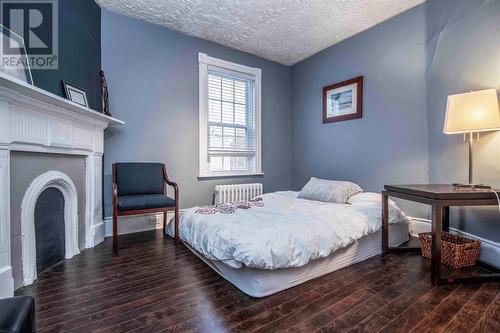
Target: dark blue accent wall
[79, 51]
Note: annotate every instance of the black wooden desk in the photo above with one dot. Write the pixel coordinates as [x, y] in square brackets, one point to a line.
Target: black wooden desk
[440, 198]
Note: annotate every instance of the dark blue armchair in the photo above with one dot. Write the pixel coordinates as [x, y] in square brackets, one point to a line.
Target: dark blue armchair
[139, 188]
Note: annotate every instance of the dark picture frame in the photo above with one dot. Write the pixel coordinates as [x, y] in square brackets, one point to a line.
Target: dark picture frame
[75, 94]
[343, 100]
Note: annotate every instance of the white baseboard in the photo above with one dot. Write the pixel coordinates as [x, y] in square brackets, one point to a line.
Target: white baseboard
[419, 225]
[490, 250]
[98, 232]
[135, 223]
[6, 282]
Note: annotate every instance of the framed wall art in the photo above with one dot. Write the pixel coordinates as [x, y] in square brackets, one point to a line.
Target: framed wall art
[343, 100]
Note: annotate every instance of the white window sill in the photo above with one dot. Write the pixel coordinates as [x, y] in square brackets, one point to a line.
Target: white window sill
[229, 175]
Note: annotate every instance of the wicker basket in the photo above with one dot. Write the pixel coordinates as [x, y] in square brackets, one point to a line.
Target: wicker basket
[456, 251]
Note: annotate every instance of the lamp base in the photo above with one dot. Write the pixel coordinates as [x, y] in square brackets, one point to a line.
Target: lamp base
[473, 187]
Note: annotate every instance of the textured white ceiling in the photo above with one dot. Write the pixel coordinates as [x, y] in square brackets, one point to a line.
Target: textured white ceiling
[286, 31]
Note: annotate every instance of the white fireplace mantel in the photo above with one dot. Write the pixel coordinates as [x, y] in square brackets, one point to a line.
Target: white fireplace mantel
[34, 120]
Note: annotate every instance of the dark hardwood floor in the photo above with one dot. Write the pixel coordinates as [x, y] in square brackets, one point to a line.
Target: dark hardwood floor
[155, 286]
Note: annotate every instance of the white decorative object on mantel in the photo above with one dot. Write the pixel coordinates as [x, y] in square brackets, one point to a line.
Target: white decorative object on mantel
[34, 120]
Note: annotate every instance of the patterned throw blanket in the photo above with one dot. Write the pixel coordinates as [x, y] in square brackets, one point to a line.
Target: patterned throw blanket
[230, 207]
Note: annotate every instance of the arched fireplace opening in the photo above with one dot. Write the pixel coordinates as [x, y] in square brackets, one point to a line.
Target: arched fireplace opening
[50, 180]
[49, 229]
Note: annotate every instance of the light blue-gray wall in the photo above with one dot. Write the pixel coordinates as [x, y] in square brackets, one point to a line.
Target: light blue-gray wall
[389, 144]
[410, 64]
[463, 54]
[152, 74]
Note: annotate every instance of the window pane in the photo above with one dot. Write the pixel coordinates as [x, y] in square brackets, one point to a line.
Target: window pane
[240, 163]
[229, 138]
[214, 111]
[240, 92]
[227, 89]
[227, 112]
[214, 86]
[241, 138]
[215, 137]
[228, 163]
[216, 163]
[240, 116]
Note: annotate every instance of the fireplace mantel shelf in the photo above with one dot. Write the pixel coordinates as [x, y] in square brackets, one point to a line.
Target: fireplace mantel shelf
[16, 89]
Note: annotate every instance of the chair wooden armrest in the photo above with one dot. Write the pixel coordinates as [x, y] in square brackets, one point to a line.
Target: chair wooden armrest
[176, 198]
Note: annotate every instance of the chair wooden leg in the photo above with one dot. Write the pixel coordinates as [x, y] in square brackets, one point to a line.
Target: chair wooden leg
[115, 234]
[164, 224]
[177, 240]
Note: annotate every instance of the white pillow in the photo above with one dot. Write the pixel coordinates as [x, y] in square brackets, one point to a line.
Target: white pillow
[367, 197]
[328, 190]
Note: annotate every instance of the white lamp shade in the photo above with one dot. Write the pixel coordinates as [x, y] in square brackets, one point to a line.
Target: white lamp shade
[475, 111]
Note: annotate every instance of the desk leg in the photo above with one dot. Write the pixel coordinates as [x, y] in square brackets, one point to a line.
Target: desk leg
[385, 223]
[446, 218]
[437, 221]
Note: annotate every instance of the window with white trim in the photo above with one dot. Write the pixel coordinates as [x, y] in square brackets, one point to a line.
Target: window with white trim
[229, 118]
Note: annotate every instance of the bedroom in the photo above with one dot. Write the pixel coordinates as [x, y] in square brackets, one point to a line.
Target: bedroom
[285, 62]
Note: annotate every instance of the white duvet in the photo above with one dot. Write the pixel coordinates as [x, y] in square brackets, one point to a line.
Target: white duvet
[285, 232]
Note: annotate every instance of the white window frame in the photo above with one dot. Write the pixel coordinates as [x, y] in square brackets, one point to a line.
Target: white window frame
[256, 73]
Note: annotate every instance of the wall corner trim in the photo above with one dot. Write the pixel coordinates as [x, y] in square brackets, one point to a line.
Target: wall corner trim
[202, 57]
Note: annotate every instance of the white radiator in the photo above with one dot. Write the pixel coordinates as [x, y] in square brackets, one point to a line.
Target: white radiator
[236, 192]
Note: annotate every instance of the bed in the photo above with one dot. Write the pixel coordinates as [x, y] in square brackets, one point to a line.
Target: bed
[278, 241]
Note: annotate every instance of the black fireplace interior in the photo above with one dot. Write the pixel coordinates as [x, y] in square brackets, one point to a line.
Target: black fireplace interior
[49, 229]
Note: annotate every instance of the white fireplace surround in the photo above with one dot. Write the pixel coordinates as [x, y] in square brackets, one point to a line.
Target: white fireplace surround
[64, 184]
[33, 120]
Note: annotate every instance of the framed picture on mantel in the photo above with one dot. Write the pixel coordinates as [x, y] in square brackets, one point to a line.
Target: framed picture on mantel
[75, 94]
[343, 100]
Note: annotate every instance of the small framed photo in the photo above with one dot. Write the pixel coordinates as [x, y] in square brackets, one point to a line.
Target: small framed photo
[75, 94]
[343, 100]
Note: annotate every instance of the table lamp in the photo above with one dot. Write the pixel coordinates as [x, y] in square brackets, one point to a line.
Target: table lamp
[471, 113]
